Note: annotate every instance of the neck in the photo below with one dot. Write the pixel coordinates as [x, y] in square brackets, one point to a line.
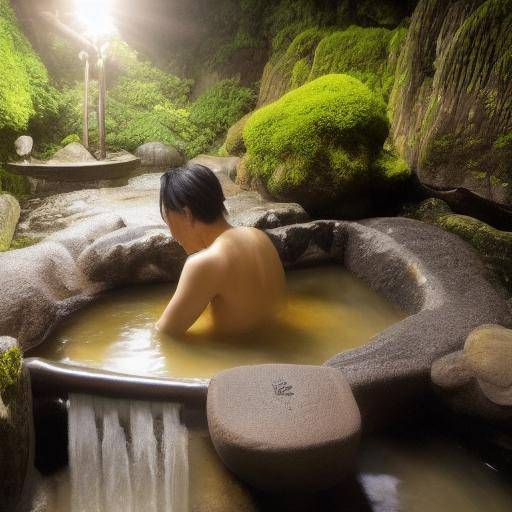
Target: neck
[208, 233]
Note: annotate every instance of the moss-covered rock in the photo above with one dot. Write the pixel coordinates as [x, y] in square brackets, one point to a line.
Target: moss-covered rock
[450, 105]
[15, 424]
[321, 145]
[359, 52]
[9, 216]
[369, 54]
[287, 70]
[234, 144]
[495, 246]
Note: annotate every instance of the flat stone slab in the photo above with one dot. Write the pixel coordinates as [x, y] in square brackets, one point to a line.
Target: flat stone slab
[284, 426]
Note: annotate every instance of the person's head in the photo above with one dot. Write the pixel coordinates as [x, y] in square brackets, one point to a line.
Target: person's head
[190, 197]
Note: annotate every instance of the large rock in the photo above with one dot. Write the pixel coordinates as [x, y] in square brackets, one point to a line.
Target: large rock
[284, 426]
[158, 156]
[16, 436]
[133, 255]
[450, 105]
[321, 145]
[494, 245]
[42, 283]
[9, 215]
[477, 380]
[73, 152]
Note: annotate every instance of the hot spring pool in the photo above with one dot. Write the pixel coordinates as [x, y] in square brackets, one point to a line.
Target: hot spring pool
[329, 310]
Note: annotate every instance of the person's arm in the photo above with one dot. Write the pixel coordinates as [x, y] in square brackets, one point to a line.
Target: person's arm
[196, 288]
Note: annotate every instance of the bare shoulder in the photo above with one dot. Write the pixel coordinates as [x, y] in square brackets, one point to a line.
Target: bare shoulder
[243, 233]
[202, 263]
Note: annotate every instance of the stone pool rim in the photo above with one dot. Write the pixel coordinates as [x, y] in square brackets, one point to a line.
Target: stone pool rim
[432, 274]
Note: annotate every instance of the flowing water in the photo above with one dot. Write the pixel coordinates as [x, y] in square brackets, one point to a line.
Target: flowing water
[329, 310]
[424, 470]
[126, 457]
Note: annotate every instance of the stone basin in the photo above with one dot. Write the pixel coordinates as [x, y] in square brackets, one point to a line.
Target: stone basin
[67, 174]
[433, 275]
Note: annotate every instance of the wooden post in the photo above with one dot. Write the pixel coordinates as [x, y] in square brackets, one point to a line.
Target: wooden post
[101, 106]
[84, 56]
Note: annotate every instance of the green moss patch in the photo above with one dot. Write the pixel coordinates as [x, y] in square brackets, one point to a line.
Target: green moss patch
[10, 368]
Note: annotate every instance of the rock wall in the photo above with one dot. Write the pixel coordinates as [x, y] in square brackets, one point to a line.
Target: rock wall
[451, 105]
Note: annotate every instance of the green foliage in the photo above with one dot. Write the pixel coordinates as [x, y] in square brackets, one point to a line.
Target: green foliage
[10, 368]
[317, 142]
[215, 111]
[16, 185]
[69, 139]
[144, 103]
[24, 88]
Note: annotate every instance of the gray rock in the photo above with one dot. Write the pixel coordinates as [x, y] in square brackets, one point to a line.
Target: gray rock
[73, 152]
[35, 283]
[78, 236]
[9, 215]
[24, 145]
[158, 156]
[133, 255]
[284, 426]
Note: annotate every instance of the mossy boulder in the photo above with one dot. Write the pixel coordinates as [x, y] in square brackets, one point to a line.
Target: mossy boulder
[321, 145]
[234, 144]
[494, 246]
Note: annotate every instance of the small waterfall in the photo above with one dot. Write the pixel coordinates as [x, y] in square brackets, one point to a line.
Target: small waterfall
[127, 456]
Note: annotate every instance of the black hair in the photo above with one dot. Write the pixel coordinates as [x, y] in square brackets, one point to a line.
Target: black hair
[195, 186]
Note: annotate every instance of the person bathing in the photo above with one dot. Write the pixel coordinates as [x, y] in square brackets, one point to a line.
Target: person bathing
[235, 271]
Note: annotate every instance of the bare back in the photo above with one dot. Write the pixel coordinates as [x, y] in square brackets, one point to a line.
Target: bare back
[252, 285]
[240, 277]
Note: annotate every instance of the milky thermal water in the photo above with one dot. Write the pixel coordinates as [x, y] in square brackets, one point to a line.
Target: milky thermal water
[329, 310]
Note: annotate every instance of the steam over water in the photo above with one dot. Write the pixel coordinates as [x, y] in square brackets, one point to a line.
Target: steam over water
[127, 456]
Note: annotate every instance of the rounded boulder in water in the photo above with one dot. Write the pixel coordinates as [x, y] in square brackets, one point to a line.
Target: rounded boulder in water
[283, 426]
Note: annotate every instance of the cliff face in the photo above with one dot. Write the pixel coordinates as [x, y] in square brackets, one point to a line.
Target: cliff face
[451, 105]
